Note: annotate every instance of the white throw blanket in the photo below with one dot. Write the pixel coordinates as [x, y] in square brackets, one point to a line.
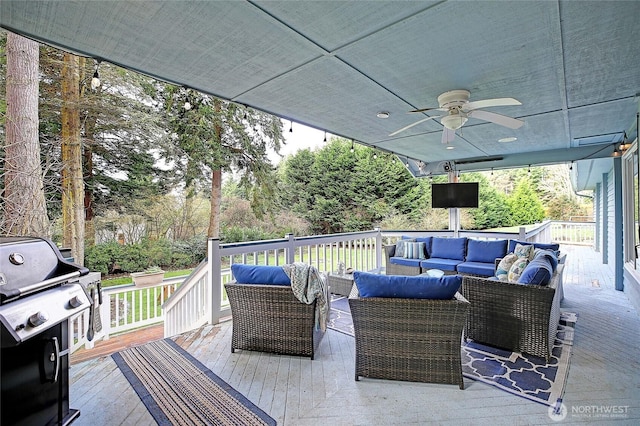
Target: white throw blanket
[308, 285]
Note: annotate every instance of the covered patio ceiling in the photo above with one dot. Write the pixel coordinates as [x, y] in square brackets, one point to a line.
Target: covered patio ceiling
[334, 65]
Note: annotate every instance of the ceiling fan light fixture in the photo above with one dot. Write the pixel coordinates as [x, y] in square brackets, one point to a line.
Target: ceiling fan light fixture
[454, 121]
[450, 147]
[507, 140]
[382, 114]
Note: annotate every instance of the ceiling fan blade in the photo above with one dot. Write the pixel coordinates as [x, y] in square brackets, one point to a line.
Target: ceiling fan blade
[411, 125]
[428, 109]
[470, 106]
[448, 135]
[503, 120]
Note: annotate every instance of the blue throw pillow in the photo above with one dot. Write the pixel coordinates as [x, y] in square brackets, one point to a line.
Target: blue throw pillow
[401, 245]
[407, 287]
[486, 251]
[552, 246]
[259, 274]
[427, 244]
[414, 250]
[537, 272]
[448, 248]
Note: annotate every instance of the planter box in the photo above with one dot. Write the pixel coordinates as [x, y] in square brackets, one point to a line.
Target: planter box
[143, 279]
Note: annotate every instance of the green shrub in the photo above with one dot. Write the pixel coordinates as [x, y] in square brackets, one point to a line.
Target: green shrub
[103, 257]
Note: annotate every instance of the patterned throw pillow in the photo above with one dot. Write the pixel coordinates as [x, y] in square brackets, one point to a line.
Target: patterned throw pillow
[414, 250]
[525, 251]
[516, 269]
[400, 245]
[502, 271]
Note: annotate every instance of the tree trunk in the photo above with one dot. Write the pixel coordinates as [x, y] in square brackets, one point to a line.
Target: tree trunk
[216, 186]
[87, 167]
[72, 183]
[24, 199]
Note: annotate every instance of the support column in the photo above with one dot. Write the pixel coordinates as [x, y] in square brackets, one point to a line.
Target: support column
[618, 225]
[215, 279]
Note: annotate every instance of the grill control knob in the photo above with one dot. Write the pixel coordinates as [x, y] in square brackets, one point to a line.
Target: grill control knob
[38, 318]
[75, 302]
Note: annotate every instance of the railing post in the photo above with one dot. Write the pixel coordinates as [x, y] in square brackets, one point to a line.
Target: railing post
[215, 279]
[378, 249]
[291, 248]
[523, 234]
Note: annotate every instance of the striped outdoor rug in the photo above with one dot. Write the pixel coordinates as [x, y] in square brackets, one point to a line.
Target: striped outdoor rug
[179, 390]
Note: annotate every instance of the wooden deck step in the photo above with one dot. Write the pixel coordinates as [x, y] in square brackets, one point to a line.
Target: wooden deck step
[118, 343]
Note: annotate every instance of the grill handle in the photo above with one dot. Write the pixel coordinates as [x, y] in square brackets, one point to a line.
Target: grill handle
[53, 357]
[47, 283]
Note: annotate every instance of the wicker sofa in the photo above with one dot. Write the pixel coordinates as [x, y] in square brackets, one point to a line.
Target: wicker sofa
[451, 255]
[409, 339]
[465, 256]
[517, 317]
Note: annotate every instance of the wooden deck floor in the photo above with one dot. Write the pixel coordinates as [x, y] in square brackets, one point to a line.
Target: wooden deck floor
[298, 391]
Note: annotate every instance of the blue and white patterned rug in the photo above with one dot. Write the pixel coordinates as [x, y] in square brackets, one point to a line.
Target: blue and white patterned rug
[523, 375]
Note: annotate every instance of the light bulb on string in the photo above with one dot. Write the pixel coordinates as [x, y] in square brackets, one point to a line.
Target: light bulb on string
[325, 136]
[95, 80]
[352, 149]
[290, 126]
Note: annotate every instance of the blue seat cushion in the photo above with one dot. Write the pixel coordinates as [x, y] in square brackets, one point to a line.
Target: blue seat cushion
[400, 286]
[485, 251]
[438, 263]
[477, 268]
[259, 274]
[537, 272]
[448, 248]
[552, 246]
[404, 261]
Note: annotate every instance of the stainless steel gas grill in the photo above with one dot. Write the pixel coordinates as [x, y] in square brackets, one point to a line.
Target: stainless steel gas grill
[39, 292]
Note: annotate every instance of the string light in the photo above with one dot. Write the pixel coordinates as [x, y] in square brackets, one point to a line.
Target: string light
[492, 171]
[325, 136]
[95, 80]
[529, 171]
[375, 155]
[290, 126]
[352, 149]
[571, 166]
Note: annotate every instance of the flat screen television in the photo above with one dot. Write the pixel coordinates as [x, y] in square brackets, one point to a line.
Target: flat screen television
[461, 194]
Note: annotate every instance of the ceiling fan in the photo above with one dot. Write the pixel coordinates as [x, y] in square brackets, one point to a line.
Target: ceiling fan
[458, 109]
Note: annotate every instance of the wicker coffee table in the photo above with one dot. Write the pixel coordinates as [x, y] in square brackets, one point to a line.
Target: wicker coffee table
[340, 284]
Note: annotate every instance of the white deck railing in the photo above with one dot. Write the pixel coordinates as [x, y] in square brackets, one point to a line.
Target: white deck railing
[124, 308]
[201, 299]
[582, 233]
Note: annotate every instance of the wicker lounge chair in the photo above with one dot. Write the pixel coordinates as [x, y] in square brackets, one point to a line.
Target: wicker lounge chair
[270, 318]
[517, 317]
[414, 340]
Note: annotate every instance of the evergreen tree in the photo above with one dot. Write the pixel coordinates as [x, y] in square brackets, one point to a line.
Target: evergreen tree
[210, 136]
[524, 204]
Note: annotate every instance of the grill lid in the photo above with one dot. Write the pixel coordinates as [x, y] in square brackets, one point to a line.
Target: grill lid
[29, 264]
